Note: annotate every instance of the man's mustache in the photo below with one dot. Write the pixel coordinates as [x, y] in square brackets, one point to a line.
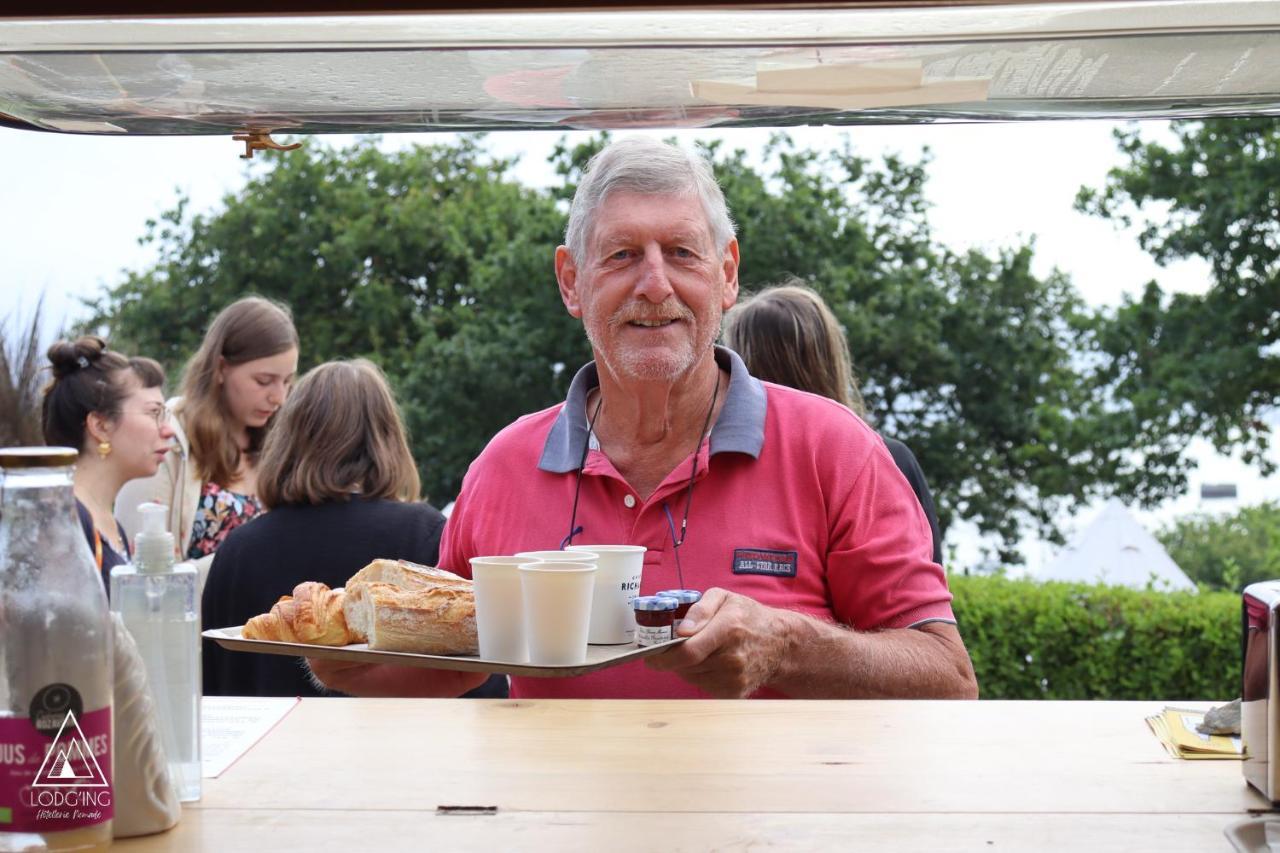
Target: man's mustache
[632, 312]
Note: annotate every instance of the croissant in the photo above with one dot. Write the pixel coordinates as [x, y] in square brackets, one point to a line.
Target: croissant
[312, 615]
[439, 620]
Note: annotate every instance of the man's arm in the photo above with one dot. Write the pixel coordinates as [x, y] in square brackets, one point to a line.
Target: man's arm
[380, 680]
[737, 645]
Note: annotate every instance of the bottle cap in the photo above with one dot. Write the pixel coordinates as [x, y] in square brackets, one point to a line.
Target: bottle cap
[37, 457]
[684, 596]
[153, 546]
[655, 602]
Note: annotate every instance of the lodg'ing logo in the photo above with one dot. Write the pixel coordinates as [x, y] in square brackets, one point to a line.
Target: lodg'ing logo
[70, 762]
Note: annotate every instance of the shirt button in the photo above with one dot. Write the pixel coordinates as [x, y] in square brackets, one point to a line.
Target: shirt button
[630, 501]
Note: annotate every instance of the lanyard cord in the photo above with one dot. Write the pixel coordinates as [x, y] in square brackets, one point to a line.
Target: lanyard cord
[577, 482]
[676, 541]
[688, 495]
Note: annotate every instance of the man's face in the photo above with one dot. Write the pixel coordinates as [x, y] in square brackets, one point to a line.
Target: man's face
[652, 287]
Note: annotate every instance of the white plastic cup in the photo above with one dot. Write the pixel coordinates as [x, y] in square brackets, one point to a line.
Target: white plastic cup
[500, 608]
[619, 567]
[557, 611]
[584, 555]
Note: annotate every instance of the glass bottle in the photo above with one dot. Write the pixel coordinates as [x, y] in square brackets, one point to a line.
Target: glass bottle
[158, 602]
[55, 663]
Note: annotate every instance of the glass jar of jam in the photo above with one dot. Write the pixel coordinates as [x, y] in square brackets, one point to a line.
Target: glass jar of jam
[686, 598]
[655, 619]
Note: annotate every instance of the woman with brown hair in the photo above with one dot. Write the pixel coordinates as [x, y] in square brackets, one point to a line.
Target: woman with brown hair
[787, 335]
[110, 408]
[231, 390]
[342, 489]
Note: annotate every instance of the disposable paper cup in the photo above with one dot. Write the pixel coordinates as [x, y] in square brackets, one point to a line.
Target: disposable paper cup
[583, 556]
[500, 608]
[557, 611]
[619, 567]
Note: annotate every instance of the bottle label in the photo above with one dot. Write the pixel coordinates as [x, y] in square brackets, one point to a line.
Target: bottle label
[55, 765]
[652, 635]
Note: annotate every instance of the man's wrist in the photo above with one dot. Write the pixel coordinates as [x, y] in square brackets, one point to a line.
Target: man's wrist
[798, 635]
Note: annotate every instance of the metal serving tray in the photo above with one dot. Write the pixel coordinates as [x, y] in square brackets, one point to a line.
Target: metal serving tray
[598, 657]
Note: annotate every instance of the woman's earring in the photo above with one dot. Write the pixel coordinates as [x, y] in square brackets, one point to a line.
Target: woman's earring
[104, 449]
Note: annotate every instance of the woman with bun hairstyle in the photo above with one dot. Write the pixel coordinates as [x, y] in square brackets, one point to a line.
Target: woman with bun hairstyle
[787, 335]
[342, 489]
[231, 390]
[110, 408]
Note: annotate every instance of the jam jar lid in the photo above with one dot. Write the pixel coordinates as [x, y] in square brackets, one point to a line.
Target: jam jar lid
[655, 602]
[684, 596]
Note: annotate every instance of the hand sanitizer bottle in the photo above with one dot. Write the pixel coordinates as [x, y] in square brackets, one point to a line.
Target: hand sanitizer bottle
[159, 604]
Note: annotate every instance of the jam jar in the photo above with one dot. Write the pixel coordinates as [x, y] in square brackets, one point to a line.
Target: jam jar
[687, 598]
[655, 619]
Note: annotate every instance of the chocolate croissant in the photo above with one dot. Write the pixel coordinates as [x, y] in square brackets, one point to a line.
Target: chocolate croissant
[312, 615]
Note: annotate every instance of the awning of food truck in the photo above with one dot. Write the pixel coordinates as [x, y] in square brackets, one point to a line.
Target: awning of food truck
[648, 67]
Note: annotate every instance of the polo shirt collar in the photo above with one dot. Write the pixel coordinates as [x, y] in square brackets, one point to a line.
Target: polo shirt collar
[739, 429]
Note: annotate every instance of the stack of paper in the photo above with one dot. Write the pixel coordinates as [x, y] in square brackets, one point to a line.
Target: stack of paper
[1176, 729]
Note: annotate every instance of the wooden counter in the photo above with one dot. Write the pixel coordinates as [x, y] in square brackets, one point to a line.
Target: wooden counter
[374, 774]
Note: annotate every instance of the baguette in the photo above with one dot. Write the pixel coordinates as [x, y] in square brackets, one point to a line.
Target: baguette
[312, 615]
[439, 620]
[406, 575]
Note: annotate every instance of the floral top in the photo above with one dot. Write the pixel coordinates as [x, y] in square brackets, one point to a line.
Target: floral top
[218, 513]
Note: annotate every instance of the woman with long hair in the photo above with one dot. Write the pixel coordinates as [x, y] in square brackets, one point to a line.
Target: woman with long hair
[231, 390]
[110, 408]
[342, 489]
[787, 335]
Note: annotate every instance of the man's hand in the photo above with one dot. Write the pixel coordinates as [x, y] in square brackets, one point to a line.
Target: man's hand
[380, 680]
[735, 646]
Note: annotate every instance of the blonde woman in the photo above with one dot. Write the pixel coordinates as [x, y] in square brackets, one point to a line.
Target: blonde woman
[342, 489]
[787, 335]
[111, 408]
[231, 390]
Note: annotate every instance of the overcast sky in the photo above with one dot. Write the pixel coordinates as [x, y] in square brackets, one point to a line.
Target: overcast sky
[73, 208]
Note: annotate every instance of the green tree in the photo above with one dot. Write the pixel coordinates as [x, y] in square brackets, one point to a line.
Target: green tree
[431, 261]
[1205, 364]
[981, 367]
[1227, 552]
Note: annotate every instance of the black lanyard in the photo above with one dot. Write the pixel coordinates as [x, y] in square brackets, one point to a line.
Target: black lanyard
[574, 530]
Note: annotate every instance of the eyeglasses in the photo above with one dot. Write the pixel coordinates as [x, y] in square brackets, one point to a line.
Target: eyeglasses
[676, 540]
[157, 415]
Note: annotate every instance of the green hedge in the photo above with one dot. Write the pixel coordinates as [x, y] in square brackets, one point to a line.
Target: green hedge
[1033, 640]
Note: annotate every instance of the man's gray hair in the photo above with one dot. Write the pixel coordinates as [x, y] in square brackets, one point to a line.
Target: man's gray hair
[640, 164]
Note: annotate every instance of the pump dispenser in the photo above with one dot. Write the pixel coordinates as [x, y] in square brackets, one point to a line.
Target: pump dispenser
[159, 603]
[153, 546]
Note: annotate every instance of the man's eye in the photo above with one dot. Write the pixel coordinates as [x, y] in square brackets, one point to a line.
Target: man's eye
[682, 252]
[621, 255]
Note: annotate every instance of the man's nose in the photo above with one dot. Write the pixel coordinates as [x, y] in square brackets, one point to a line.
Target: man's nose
[654, 284]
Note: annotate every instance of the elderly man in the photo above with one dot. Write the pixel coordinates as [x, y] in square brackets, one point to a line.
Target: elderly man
[783, 506]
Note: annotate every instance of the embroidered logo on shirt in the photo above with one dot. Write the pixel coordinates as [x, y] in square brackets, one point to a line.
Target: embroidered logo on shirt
[759, 561]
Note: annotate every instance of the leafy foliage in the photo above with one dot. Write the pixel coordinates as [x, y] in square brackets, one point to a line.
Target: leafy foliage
[21, 380]
[1030, 640]
[1227, 552]
[1200, 364]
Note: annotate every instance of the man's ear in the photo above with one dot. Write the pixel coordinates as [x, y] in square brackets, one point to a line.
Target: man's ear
[567, 278]
[730, 269]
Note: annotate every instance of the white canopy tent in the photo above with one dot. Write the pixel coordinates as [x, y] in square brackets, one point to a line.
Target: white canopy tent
[1115, 549]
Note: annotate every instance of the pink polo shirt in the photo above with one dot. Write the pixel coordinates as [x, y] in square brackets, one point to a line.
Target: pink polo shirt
[797, 504]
